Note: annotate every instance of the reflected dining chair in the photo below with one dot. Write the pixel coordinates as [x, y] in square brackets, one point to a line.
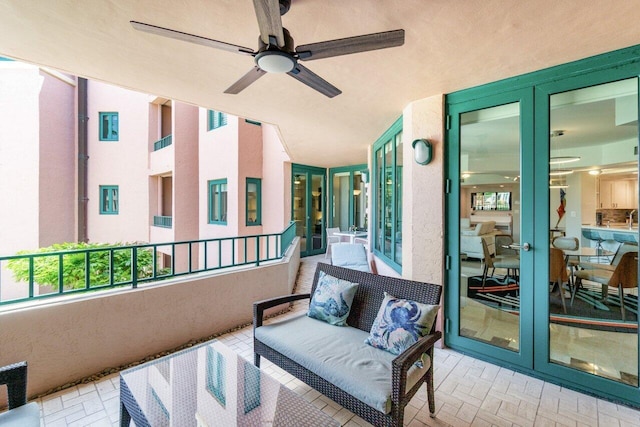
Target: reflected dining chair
[510, 263]
[568, 244]
[558, 273]
[625, 275]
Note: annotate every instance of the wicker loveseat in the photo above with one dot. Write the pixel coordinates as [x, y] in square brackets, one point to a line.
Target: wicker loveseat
[344, 375]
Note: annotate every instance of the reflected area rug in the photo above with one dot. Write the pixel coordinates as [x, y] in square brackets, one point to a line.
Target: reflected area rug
[588, 309]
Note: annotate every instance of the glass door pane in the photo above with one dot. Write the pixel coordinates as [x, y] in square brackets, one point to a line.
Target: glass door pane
[341, 199]
[316, 219]
[490, 226]
[300, 208]
[593, 200]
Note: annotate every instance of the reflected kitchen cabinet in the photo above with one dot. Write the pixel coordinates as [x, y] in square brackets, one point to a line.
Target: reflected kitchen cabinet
[618, 194]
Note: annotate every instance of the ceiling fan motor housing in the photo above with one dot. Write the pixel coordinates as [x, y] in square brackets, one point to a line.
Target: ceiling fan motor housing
[274, 59]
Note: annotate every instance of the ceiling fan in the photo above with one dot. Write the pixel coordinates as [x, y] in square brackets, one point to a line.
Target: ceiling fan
[276, 52]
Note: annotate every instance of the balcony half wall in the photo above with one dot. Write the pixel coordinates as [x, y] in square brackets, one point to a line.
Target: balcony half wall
[67, 340]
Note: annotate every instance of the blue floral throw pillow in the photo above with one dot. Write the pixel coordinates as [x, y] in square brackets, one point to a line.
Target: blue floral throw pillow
[400, 323]
[331, 301]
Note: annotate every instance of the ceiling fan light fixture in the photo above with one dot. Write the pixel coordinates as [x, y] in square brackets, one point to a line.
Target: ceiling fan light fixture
[273, 61]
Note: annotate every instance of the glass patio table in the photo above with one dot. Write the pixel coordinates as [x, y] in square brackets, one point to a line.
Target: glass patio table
[352, 235]
[210, 385]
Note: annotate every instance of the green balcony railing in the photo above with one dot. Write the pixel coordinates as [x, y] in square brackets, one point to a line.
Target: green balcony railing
[164, 142]
[95, 267]
[163, 221]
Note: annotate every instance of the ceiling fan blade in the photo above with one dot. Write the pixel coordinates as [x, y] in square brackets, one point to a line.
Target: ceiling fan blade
[269, 20]
[254, 74]
[179, 35]
[350, 45]
[314, 81]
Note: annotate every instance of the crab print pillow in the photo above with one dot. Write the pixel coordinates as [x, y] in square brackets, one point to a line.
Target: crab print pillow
[400, 323]
[331, 301]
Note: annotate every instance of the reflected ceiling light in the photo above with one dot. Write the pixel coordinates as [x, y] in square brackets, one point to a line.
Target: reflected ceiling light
[563, 159]
[559, 172]
[595, 172]
[558, 183]
[356, 192]
[296, 179]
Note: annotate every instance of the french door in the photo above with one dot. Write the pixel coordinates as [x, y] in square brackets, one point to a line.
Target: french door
[308, 204]
[548, 160]
[493, 142]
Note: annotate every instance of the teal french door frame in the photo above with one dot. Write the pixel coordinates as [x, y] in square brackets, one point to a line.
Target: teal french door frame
[309, 172]
[534, 332]
[524, 357]
[571, 377]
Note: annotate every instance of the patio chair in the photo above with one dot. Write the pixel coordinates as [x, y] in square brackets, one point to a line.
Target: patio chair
[351, 255]
[20, 413]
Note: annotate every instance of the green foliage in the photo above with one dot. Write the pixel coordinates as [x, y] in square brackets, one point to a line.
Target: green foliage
[46, 268]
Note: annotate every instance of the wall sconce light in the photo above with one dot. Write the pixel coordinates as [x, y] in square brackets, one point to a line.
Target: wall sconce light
[422, 151]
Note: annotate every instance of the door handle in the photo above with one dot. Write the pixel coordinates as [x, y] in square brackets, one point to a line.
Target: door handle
[525, 246]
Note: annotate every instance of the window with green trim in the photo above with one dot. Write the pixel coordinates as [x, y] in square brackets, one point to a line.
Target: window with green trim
[218, 201]
[387, 196]
[109, 203]
[216, 119]
[109, 126]
[254, 201]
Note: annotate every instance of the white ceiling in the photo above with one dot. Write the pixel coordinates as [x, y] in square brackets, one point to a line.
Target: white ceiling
[449, 45]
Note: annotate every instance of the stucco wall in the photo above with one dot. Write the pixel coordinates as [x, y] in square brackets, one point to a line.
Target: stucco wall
[276, 183]
[218, 159]
[66, 341]
[58, 161]
[123, 163]
[20, 86]
[185, 175]
[423, 194]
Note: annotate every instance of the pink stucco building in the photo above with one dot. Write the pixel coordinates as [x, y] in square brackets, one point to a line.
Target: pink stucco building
[138, 168]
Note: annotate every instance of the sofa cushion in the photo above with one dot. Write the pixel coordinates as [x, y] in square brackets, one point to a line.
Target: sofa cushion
[340, 356]
[400, 323]
[23, 416]
[332, 299]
